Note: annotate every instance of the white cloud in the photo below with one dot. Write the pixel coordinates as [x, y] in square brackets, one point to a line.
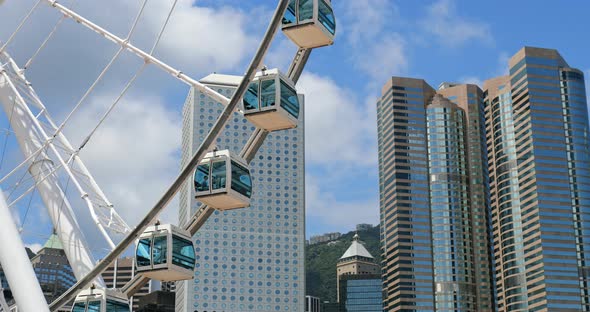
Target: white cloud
[503, 59]
[383, 59]
[198, 40]
[443, 22]
[471, 80]
[34, 247]
[280, 55]
[336, 213]
[341, 155]
[335, 123]
[500, 70]
[376, 50]
[366, 26]
[200, 37]
[134, 155]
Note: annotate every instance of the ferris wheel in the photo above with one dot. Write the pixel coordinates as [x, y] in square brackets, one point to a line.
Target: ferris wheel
[222, 181]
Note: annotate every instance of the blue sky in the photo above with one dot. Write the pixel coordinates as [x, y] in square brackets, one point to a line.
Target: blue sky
[442, 40]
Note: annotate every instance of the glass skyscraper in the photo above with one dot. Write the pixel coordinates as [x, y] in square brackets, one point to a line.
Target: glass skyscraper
[361, 293]
[434, 207]
[485, 194]
[249, 259]
[539, 168]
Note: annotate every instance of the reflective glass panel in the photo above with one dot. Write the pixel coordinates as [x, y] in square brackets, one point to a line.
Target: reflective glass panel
[240, 180]
[289, 17]
[202, 178]
[218, 174]
[94, 306]
[114, 306]
[160, 249]
[183, 253]
[326, 17]
[268, 93]
[251, 97]
[289, 100]
[142, 254]
[79, 307]
[305, 9]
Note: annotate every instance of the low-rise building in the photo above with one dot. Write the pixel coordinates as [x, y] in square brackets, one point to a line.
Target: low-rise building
[363, 227]
[359, 280]
[312, 304]
[120, 273]
[317, 239]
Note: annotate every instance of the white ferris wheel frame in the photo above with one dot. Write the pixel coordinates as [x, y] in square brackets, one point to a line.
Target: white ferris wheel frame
[46, 141]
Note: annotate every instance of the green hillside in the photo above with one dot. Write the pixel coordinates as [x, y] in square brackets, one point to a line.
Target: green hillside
[321, 259]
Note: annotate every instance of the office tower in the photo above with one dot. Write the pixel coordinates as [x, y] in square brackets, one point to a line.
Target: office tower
[361, 293]
[539, 170]
[359, 280]
[249, 259]
[53, 270]
[469, 100]
[433, 197]
[120, 273]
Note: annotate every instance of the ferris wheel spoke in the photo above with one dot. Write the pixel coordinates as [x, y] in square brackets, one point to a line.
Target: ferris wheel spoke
[20, 25]
[52, 143]
[187, 170]
[147, 57]
[39, 178]
[248, 152]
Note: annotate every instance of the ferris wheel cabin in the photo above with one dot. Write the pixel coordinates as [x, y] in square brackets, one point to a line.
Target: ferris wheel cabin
[100, 300]
[310, 23]
[165, 253]
[271, 102]
[222, 181]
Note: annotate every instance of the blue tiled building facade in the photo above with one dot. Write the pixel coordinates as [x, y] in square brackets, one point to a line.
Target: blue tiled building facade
[249, 259]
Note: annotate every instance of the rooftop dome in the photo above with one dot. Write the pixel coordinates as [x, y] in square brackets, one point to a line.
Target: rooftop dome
[356, 249]
[53, 242]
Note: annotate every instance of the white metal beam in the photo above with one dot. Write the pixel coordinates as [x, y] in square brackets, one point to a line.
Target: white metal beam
[17, 266]
[188, 169]
[27, 134]
[147, 57]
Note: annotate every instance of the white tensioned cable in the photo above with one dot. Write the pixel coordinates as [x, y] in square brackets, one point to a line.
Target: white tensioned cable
[58, 129]
[163, 28]
[7, 134]
[178, 74]
[22, 23]
[110, 109]
[42, 46]
[107, 113]
[101, 75]
[63, 18]
[131, 81]
[30, 61]
[24, 218]
[37, 182]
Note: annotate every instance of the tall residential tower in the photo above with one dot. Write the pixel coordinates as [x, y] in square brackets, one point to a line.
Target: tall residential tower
[250, 259]
[485, 195]
[434, 207]
[539, 169]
